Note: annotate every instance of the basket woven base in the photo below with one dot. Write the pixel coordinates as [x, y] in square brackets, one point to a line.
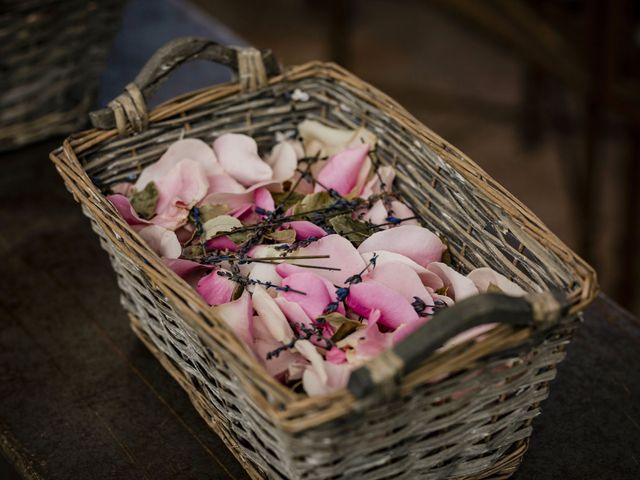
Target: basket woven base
[504, 468]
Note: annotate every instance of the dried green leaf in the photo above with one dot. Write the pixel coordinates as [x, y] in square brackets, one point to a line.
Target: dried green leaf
[342, 325]
[144, 202]
[443, 290]
[313, 202]
[209, 212]
[447, 259]
[193, 252]
[287, 199]
[237, 292]
[240, 237]
[493, 288]
[356, 232]
[220, 224]
[282, 236]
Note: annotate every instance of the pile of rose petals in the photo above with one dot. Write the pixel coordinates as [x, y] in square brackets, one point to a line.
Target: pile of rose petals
[305, 251]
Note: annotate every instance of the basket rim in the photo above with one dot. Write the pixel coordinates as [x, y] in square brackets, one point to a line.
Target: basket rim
[289, 410]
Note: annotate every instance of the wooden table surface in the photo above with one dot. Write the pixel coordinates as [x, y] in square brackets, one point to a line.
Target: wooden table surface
[80, 397]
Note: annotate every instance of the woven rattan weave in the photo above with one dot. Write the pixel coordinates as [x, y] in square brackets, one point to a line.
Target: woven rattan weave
[464, 413]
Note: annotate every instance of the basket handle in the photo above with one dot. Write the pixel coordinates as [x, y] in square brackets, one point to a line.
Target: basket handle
[129, 109]
[382, 374]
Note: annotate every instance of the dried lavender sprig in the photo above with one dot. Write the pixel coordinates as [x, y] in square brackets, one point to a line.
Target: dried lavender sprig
[244, 281]
[308, 334]
[343, 292]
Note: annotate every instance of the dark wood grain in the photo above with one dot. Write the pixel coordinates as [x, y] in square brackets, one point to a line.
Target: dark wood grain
[80, 397]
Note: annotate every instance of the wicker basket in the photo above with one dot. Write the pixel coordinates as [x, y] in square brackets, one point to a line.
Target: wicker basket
[412, 413]
[51, 55]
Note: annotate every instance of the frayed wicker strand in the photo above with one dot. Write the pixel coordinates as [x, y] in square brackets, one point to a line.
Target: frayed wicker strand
[129, 108]
[251, 71]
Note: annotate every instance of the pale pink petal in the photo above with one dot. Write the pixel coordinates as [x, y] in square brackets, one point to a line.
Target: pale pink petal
[368, 342]
[485, 276]
[379, 215]
[235, 200]
[413, 241]
[242, 211]
[223, 183]
[121, 188]
[279, 366]
[342, 170]
[458, 286]
[342, 254]
[215, 289]
[448, 301]
[402, 212]
[309, 351]
[184, 268]
[221, 243]
[385, 175]
[183, 186]
[401, 278]
[370, 295]
[191, 149]
[318, 137]
[239, 316]
[294, 312]
[265, 273]
[126, 211]
[408, 328]
[283, 161]
[162, 241]
[172, 217]
[287, 269]
[429, 279]
[318, 292]
[362, 177]
[238, 155]
[305, 229]
[273, 318]
[264, 200]
[337, 376]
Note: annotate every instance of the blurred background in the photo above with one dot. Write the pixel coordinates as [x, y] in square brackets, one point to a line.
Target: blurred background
[544, 95]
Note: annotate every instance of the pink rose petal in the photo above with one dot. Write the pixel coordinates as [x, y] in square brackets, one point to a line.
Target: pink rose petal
[239, 316]
[342, 170]
[162, 241]
[191, 149]
[215, 289]
[378, 213]
[458, 286]
[318, 292]
[370, 295]
[273, 318]
[335, 355]
[401, 278]
[305, 229]
[342, 254]
[223, 183]
[413, 241]
[375, 185]
[264, 200]
[238, 155]
[121, 188]
[221, 243]
[184, 268]
[428, 278]
[283, 161]
[126, 211]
